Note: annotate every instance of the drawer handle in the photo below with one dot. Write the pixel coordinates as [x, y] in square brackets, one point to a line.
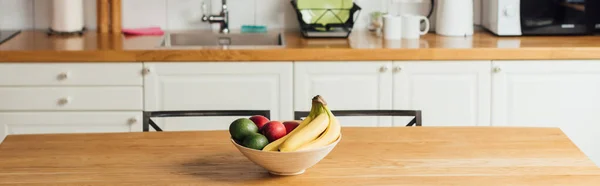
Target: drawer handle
[63, 76]
[145, 71]
[397, 69]
[383, 69]
[496, 70]
[133, 120]
[64, 101]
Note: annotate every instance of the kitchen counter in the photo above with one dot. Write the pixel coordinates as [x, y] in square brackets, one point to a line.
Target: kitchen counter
[36, 46]
[365, 156]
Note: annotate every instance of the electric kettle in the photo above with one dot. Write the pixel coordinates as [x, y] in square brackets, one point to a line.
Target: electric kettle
[454, 17]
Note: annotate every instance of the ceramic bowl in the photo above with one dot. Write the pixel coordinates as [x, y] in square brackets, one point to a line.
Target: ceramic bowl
[295, 162]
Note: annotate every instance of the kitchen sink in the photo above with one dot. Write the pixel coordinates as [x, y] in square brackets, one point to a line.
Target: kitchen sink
[218, 40]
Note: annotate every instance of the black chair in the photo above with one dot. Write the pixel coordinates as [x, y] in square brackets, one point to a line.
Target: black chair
[147, 122]
[414, 122]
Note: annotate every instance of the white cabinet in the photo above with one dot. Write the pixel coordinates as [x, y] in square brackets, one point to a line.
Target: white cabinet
[346, 86]
[70, 97]
[217, 86]
[447, 93]
[563, 94]
[68, 122]
[61, 74]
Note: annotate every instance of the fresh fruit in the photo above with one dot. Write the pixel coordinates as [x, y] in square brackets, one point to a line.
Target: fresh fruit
[310, 132]
[290, 126]
[318, 129]
[306, 134]
[274, 130]
[331, 134]
[255, 141]
[241, 128]
[274, 146]
[259, 120]
[238, 141]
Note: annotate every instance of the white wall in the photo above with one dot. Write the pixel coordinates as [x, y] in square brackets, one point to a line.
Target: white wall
[186, 14]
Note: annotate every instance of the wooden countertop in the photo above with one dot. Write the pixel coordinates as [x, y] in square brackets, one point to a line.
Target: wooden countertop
[365, 156]
[36, 46]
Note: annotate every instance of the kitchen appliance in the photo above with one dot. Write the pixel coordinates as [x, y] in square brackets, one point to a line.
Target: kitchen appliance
[454, 18]
[67, 17]
[5, 35]
[541, 17]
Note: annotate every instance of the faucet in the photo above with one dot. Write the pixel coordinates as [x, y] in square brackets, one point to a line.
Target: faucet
[222, 18]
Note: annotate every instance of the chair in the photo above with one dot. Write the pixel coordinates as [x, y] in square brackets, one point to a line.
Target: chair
[147, 122]
[414, 122]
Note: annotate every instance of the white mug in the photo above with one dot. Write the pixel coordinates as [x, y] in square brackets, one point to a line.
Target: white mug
[411, 26]
[392, 27]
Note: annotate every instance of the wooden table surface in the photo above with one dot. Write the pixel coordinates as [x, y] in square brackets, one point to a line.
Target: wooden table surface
[37, 46]
[365, 156]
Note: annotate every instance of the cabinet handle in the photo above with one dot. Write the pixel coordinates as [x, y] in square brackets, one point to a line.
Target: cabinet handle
[133, 120]
[146, 71]
[397, 69]
[383, 69]
[63, 76]
[496, 69]
[64, 101]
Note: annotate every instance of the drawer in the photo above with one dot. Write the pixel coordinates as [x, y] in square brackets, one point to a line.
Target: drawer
[68, 122]
[13, 74]
[71, 98]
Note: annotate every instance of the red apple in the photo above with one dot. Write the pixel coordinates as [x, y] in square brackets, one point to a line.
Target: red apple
[260, 121]
[290, 125]
[274, 130]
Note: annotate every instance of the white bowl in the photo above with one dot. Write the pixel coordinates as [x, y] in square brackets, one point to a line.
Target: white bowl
[286, 163]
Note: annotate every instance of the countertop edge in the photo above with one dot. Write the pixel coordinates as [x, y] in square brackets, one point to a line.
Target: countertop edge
[304, 54]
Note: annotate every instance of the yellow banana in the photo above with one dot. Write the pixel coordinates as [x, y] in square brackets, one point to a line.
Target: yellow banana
[274, 146]
[306, 134]
[329, 136]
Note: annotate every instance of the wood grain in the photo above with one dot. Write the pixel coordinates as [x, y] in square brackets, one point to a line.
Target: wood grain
[102, 15]
[115, 16]
[365, 156]
[36, 46]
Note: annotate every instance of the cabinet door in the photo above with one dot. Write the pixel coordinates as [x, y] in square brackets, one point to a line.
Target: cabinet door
[71, 74]
[563, 94]
[447, 93]
[346, 86]
[217, 86]
[68, 122]
[71, 98]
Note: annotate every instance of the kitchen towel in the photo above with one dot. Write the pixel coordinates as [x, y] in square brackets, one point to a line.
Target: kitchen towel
[144, 31]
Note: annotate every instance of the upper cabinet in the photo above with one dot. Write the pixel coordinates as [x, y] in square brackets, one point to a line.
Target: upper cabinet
[217, 86]
[346, 86]
[448, 93]
[563, 94]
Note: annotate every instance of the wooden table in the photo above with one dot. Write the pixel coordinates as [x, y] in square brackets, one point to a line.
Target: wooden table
[365, 156]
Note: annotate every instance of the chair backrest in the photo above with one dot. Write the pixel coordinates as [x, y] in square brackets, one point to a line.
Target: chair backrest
[414, 122]
[147, 123]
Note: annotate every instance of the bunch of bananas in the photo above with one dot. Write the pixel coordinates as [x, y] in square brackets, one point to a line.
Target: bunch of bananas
[320, 128]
